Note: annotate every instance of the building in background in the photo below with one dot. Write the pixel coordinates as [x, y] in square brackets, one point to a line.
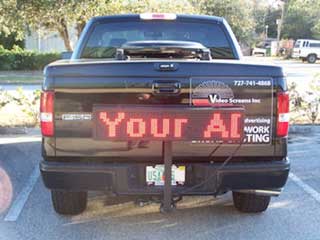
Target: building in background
[48, 41]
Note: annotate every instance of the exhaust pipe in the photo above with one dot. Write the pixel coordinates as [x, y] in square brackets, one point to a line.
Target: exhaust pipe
[262, 192]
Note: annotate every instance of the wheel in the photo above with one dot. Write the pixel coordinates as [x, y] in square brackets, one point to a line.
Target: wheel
[250, 203]
[69, 203]
[312, 58]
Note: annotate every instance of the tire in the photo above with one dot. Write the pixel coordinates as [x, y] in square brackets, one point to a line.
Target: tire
[250, 203]
[69, 203]
[312, 58]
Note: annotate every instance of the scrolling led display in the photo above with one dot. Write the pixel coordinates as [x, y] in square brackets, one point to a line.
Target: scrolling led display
[168, 123]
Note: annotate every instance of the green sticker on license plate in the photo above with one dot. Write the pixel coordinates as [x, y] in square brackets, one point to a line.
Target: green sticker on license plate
[155, 175]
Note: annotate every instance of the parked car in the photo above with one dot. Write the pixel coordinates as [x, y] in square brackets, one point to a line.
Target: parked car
[261, 49]
[162, 105]
[307, 50]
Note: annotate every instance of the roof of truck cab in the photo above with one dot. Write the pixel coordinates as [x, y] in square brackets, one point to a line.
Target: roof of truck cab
[137, 17]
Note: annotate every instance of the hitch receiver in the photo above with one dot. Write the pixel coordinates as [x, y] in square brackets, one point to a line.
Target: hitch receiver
[167, 192]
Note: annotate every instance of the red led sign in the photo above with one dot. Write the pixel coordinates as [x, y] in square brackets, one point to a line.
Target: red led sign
[168, 123]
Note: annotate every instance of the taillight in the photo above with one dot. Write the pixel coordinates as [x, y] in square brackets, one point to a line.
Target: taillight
[46, 113]
[283, 114]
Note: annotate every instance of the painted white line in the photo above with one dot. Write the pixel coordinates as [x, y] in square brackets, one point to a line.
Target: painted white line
[22, 197]
[10, 140]
[313, 193]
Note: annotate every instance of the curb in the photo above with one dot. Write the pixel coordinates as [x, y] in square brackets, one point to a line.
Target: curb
[18, 130]
[13, 130]
[21, 83]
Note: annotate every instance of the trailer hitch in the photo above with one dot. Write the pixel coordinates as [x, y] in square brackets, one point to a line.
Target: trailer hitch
[167, 205]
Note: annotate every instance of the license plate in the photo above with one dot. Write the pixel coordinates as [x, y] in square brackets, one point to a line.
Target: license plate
[179, 123]
[155, 175]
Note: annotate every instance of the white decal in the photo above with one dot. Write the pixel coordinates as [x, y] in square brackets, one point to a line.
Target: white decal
[217, 89]
[257, 130]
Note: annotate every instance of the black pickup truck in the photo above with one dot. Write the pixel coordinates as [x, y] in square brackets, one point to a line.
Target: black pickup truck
[162, 106]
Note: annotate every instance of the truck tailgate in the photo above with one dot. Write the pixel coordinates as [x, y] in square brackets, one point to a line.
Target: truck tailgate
[221, 83]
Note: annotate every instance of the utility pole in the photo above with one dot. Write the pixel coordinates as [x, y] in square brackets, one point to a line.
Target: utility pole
[267, 26]
[39, 39]
[279, 24]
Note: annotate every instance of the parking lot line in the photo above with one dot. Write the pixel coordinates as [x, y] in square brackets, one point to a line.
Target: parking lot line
[22, 197]
[312, 192]
[15, 139]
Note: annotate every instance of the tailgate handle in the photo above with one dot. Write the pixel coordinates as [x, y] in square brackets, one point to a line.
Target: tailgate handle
[166, 87]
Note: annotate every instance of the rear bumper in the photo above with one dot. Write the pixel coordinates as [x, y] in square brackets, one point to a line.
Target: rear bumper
[129, 178]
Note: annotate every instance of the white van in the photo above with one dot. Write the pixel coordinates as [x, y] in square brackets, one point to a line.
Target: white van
[307, 50]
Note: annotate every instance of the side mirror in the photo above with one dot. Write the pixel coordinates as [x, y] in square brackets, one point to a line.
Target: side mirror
[66, 55]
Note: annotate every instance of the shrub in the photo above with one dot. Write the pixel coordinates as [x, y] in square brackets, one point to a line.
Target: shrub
[305, 105]
[20, 59]
[26, 103]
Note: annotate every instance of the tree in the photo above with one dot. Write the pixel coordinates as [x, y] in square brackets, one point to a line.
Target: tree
[316, 30]
[139, 6]
[302, 19]
[16, 16]
[266, 15]
[271, 20]
[84, 9]
[260, 15]
[10, 19]
[8, 41]
[238, 13]
[50, 15]
[60, 15]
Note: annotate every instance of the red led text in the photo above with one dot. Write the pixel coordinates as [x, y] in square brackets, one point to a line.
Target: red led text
[211, 126]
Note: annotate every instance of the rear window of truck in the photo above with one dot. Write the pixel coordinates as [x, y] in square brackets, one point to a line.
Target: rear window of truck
[105, 38]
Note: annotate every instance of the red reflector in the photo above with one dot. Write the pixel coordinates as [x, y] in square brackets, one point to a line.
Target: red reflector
[46, 113]
[283, 114]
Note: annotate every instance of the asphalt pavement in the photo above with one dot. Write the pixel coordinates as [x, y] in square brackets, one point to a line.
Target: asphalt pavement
[28, 214]
[296, 71]
[26, 211]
